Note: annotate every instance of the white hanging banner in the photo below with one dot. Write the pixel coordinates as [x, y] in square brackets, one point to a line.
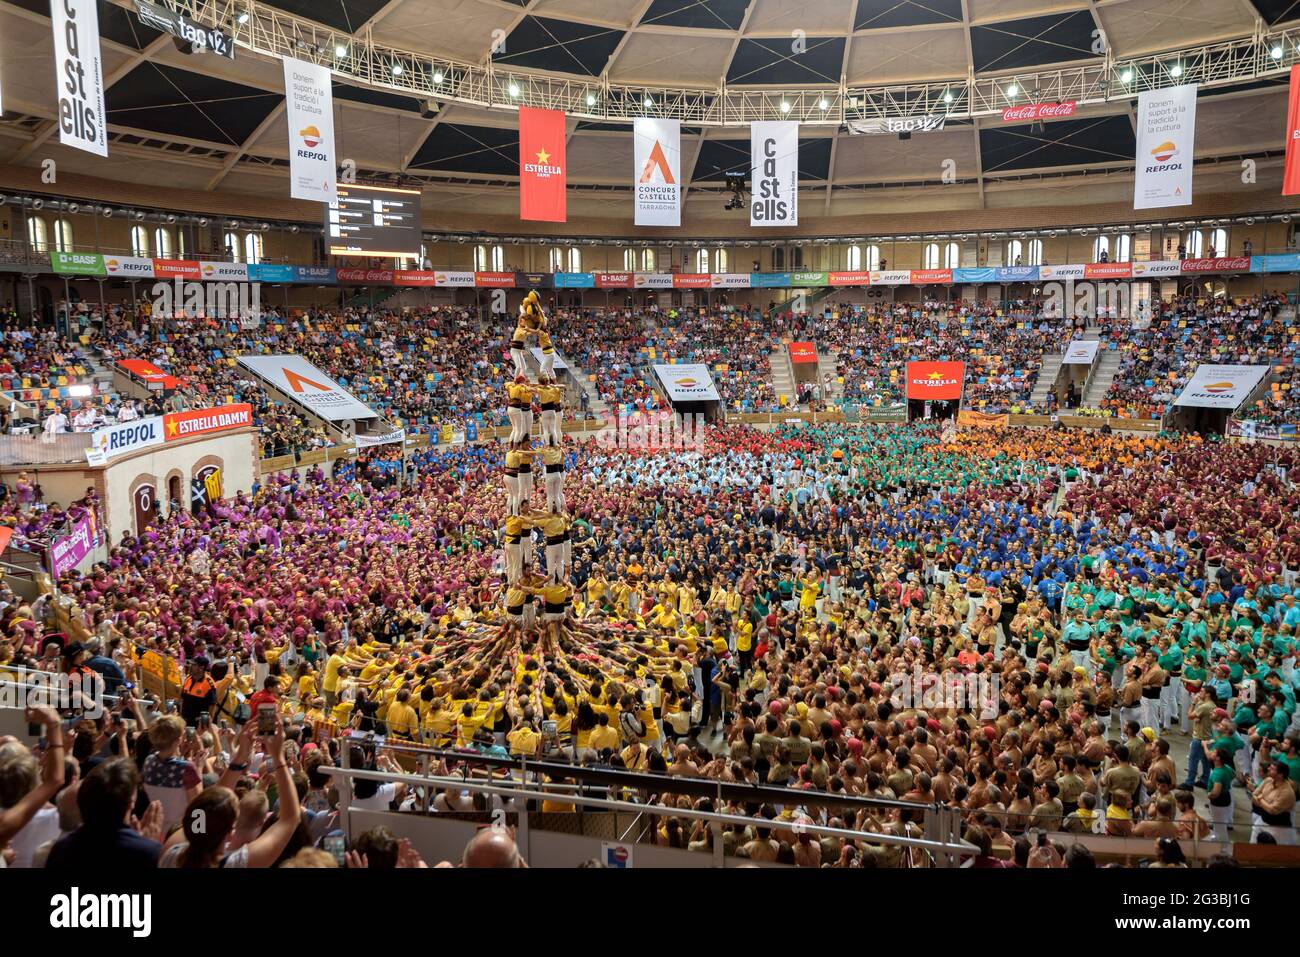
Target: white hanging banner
[1166, 144]
[657, 155]
[774, 169]
[1081, 352]
[1221, 387]
[309, 109]
[79, 76]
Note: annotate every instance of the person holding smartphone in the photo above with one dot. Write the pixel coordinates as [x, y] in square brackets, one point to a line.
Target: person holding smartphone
[211, 816]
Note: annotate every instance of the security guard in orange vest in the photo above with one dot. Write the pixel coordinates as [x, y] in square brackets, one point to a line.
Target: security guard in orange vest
[198, 693]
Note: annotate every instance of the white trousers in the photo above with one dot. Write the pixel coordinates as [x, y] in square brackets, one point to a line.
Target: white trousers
[513, 499]
[555, 566]
[517, 357]
[514, 563]
[1221, 818]
[518, 431]
[1283, 835]
[551, 434]
[548, 363]
[555, 491]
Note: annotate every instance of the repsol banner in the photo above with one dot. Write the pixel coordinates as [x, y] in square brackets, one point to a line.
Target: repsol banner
[114, 440]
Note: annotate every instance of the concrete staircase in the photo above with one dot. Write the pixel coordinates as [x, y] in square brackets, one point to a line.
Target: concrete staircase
[101, 374]
[1102, 377]
[827, 374]
[1046, 378]
[782, 372]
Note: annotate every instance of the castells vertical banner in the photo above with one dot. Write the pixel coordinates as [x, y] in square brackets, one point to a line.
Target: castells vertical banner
[79, 75]
[1291, 177]
[774, 170]
[542, 167]
[657, 158]
[309, 109]
[1166, 147]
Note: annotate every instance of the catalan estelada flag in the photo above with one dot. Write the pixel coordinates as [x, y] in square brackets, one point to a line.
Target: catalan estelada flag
[543, 169]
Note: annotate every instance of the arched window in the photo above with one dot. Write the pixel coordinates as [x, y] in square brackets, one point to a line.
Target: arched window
[557, 259]
[720, 261]
[488, 261]
[942, 257]
[1025, 253]
[162, 242]
[701, 260]
[253, 248]
[575, 259]
[853, 259]
[63, 235]
[36, 234]
[139, 241]
[629, 260]
[180, 243]
[648, 259]
[1195, 242]
[233, 247]
[1218, 243]
[873, 258]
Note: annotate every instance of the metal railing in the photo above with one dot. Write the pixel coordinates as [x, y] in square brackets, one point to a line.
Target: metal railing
[540, 780]
[40, 448]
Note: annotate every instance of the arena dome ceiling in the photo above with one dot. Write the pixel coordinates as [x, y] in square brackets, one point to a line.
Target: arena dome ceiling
[204, 122]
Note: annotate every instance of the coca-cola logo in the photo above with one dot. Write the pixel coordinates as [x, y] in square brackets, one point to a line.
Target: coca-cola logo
[1039, 111]
[1216, 265]
[365, 275]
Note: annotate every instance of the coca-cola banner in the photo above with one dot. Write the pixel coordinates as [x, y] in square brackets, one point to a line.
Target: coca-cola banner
[383, 277]
[1039, 111]
[1221, 264]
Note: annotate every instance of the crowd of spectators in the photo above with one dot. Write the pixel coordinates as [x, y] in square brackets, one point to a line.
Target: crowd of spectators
[745, 612]
[1159, 357]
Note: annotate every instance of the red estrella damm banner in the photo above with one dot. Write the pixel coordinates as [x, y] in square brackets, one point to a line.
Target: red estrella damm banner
[186, 425]
[1108, 271]
[542, 167]
[935, 380]
[803, 352]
